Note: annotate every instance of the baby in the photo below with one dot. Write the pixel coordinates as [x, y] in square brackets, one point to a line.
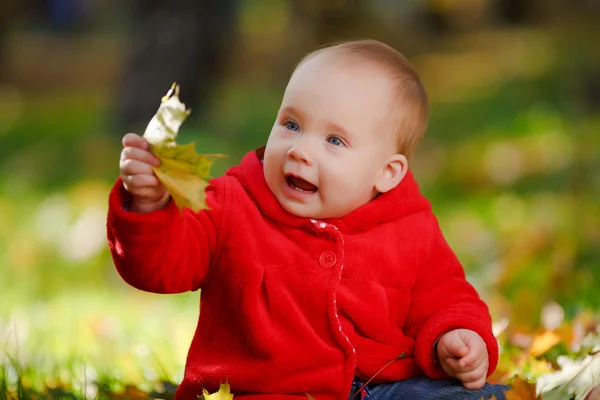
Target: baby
[321, 265]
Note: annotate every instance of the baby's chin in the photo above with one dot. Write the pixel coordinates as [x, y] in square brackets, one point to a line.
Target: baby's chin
[305, 211]
[299, 210]
[310, 211]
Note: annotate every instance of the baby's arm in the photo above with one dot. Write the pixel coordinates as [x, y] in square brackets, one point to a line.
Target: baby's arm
[155, 247]
[443, 301]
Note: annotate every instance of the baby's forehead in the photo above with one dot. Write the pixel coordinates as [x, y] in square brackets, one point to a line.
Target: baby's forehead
[338, 78]
[345, 60]
[322, 72]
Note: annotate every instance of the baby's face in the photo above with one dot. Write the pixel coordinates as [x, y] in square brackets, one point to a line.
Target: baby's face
[331, 138]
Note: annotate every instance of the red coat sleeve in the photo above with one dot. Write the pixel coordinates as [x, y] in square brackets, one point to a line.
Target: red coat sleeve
[443, 300]
[165, 251]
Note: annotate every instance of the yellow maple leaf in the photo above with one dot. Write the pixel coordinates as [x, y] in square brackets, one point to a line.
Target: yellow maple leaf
[521, 390]
[543, 342]
[224, 393]
[182, 170]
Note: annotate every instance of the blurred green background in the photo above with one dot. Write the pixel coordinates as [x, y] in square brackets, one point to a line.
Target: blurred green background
[510, 160]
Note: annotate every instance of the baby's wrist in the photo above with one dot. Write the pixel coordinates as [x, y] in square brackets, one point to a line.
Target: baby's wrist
[143, 206]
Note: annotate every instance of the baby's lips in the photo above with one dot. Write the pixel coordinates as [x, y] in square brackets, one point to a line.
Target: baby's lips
[301, 183]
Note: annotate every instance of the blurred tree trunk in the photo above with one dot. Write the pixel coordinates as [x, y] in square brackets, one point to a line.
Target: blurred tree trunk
[332, 20]
[517, 11]
[3, 32]
[340, 20]
[7, 12]
[181, 41]
[439, 19]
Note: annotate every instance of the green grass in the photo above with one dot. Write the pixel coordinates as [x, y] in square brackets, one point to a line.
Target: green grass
[88, 341]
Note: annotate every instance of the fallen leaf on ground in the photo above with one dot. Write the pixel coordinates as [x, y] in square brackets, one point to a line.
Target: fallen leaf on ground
[521, 390]
[224, 393]
[544, 342]
[577, 379]
[129, 393]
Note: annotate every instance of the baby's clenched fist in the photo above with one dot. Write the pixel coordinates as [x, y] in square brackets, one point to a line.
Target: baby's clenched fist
[148, 193]
[463, 355]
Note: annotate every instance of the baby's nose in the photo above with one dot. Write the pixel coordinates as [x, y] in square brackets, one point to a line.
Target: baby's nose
[299, 154]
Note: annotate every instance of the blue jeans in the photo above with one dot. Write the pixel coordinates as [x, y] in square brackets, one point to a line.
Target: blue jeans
[423, 388]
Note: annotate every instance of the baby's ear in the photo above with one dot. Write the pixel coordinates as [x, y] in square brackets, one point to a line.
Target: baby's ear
[394, 170]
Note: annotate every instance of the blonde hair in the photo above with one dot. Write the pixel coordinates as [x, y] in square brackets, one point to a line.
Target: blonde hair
[410, 107]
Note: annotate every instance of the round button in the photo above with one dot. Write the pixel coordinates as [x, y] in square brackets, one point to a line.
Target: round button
[327, 259]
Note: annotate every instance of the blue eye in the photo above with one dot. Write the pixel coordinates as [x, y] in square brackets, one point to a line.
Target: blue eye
[334, 140]
[292, 126]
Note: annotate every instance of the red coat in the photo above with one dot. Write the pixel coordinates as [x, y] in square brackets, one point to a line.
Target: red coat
[291, 305]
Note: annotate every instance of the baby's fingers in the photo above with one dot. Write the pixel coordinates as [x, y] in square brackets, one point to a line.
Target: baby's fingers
[475, 384]
[133, 153]
[135, 167]
[452, 363]
[475, 358]
[140, 182]
[135, 140]
[473, 379]
[469, 361]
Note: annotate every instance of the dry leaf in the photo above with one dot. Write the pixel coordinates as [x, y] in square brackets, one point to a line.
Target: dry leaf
[129, 393]
[521, 390]
[544, 342]
[224, 393]
[182, 170]
[577, 378]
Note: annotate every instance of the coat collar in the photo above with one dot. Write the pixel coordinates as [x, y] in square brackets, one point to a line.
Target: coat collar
[401, 201]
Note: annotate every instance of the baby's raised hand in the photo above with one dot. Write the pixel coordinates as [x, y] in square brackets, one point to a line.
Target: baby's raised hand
[148, 193]
[463, 354]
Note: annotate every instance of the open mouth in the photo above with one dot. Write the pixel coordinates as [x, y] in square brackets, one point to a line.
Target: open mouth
[300, 184]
